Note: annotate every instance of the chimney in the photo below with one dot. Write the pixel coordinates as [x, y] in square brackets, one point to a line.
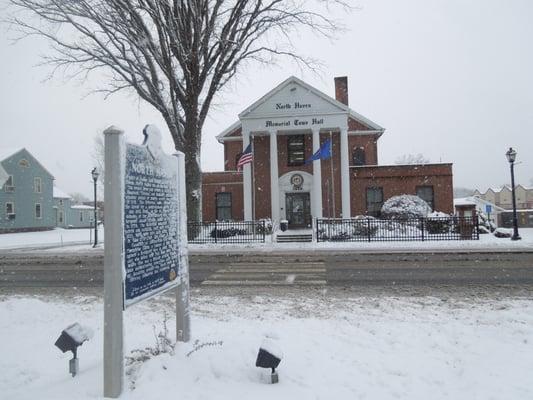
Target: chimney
[341, 89]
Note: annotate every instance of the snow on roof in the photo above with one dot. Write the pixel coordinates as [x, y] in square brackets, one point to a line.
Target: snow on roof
[59, 194]
[82, 207]
[6, 152]
[464, 201]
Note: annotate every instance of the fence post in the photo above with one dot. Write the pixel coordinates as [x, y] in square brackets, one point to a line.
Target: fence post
[368, 228]
[422, 227]
[477, 226]
[316, 229]
[264, 227]
[216, 231]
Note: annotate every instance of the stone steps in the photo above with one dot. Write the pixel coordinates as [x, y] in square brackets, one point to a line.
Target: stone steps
[296, 238]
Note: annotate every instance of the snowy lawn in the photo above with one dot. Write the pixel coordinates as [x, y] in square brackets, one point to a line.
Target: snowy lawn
[335, 347]
[55, 237]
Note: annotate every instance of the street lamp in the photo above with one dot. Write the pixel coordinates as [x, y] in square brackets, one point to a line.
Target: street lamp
[511, 157]
[95, 175]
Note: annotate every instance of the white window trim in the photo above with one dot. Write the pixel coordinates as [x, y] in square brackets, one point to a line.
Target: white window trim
[10, 187]
[40, 211]
[12, 208]
[35, 186]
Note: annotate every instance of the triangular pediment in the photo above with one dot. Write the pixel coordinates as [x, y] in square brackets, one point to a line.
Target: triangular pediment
[293, 97]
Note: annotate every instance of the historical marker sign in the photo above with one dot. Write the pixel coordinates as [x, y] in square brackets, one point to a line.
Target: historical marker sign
[151, 223]
[145, 249]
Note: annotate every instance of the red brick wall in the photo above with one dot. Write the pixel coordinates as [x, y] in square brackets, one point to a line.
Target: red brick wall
[231, 149]
[331, 203]
[261, 171]
[404, 179]
[216, 182]
[369, 143]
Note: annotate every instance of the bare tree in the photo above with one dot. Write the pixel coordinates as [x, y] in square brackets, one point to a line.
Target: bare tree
[78, 198]
[176, 54]
[409, 159]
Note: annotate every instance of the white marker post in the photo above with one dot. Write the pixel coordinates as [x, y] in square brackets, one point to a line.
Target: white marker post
[183, 324]
[113, 263]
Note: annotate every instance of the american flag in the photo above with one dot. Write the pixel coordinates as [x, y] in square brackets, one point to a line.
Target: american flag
[245, 158]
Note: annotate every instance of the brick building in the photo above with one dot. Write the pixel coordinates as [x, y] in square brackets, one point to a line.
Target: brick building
[285, 127]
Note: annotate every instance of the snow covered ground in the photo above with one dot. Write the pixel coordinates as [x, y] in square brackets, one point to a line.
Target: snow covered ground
[56, 237]
[335, 347]
[79, 239]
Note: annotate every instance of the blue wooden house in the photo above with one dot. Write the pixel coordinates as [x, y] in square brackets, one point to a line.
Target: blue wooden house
[26, 192]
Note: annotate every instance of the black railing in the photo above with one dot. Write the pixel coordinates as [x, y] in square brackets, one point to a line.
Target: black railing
[369, 229]
[226, 232]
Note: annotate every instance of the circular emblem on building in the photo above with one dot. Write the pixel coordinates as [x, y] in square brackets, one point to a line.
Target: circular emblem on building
[297, 180]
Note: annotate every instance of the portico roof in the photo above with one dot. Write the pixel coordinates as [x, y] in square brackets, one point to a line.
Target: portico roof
[292, 83]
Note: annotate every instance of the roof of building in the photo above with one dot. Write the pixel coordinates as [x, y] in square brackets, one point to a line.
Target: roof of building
[292, 79]
[82, 207]
[59, 194]
[6, 152]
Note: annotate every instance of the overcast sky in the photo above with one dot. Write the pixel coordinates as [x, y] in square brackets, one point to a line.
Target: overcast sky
[451, 79]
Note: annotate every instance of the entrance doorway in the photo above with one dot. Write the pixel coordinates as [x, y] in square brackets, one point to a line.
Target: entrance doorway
[298, 206]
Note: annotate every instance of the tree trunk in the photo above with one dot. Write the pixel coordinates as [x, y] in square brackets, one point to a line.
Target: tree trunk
[193, 171]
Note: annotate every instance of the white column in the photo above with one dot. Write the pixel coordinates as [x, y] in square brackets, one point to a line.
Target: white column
[247, 180]
[274, 182]
[317, 177]
[345, 174]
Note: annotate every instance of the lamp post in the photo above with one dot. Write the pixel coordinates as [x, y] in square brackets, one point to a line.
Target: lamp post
[95, 175]
[511, 157]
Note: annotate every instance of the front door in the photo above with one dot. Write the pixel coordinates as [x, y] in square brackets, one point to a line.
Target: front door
[298, 206]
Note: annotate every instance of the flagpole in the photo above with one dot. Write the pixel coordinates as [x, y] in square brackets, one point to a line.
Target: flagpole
[252, 140]
[332, 177]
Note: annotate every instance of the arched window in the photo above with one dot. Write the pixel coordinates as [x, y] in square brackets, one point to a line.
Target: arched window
[358, 156]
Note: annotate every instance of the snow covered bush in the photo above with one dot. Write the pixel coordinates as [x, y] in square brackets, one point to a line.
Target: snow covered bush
[363, 226]
[404, 207]
[438, 222]
[226, 233]
[267, 230]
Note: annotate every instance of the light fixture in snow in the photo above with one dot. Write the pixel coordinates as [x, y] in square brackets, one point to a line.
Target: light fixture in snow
[70, 339]
[269, 356]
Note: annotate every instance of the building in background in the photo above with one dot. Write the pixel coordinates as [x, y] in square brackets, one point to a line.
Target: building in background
[503, 198]
[30, 202]
[26, 190]
[284, 128]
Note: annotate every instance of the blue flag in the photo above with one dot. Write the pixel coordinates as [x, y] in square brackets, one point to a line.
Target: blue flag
[323, 153]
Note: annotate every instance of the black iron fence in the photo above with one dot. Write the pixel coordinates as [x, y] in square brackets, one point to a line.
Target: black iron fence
[226, 232]
[368, 229]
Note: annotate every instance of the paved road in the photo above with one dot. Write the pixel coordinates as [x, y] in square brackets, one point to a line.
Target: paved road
[325, 268]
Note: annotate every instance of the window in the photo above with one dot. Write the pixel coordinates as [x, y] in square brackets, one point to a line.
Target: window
[10, 210]
[296, 149]
[37, 185]
[38, 214]
[9, 186]
[60, 217]
[358, 156]
[223, 205]
[81, 216]
[426, 194]
[374, 201]
[60, 202]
